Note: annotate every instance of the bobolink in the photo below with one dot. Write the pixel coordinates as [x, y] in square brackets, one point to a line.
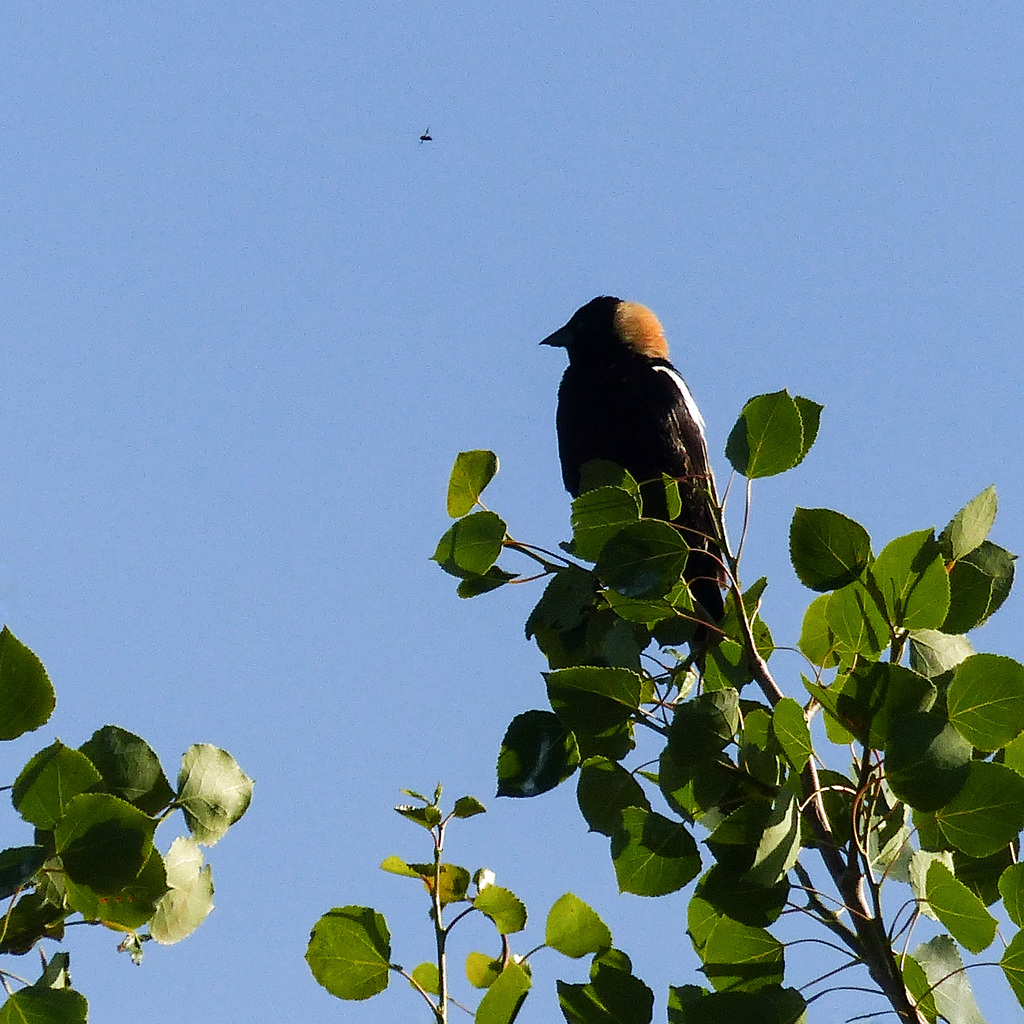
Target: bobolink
[622, 400]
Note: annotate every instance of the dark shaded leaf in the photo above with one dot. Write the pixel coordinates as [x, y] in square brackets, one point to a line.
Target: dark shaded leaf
[537, 753]
[643, 560]
[653, 855]
[598, 515]
[26, 694]
[828, 550]
[103, 841]
[927, 762]
[603, 791]
[130, 768]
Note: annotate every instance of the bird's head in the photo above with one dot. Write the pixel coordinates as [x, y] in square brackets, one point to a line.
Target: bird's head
[607, 324]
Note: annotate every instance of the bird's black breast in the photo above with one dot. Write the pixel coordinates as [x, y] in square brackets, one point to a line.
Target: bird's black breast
[628, 412]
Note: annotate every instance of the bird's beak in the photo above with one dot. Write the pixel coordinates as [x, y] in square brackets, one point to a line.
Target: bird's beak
[560, 339]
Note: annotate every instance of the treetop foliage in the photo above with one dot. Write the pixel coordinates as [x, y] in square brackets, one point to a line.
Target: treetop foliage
[708, 766]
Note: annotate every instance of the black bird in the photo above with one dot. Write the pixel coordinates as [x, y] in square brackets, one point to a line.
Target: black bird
[426, 136]
[622, 400]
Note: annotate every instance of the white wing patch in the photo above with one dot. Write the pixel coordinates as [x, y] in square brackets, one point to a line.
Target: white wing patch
[691, 405]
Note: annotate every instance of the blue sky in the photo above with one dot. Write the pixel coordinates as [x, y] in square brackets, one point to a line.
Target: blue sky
[248, 320]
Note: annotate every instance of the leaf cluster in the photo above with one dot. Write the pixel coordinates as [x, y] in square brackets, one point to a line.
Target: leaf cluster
[94, 811]
[700, 767]
[349, 951]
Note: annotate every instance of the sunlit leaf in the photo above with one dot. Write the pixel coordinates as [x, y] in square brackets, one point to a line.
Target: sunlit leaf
[349, 952]
[472, 472]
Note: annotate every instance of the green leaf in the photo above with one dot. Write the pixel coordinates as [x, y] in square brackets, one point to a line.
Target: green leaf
[979, 583]
[828, 550]
[32, 1005]
[769, 1005]
[701, 728]
[735, 839]
[481, 970]
[574, 929]
[927, 762]
[987, 812]
[129, 908]
[213, 791]
[613, 996]
[504, 998]
[17, 865]
[1011, 888]
[810, 418]
[349, 952]
[959, 909]
[901, 691]
[49, 781]
[103, 842]
[742, 899]
[917, 873]
[471, 546]
[396, 866]
[537, 753]
[673, 502]
[590, 700]
[726, 667]
[932, 653]
[970, 596]
[817, 641]
[768, 437]
[693, 790]
[467, 807]
[742, 959]
[474, 586]
[604, 790]
[986, 700]
[981, 874]
[911, 576]
[453, 883]
[942, 966]
[917, 985]
[970, 526]
[566, 600]
[874, 693]
[426, 817]
[26, 694]
[29, 920]
[643, 560]
[598, 515]
[130, 768]
[779, 846]
[603, 473]
[989, 567]
[472, 472]
[427, 977]
[791, 730]
[504, 908]
[856, 623]
[189, 899]
[652, 855]
[1012, 963]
